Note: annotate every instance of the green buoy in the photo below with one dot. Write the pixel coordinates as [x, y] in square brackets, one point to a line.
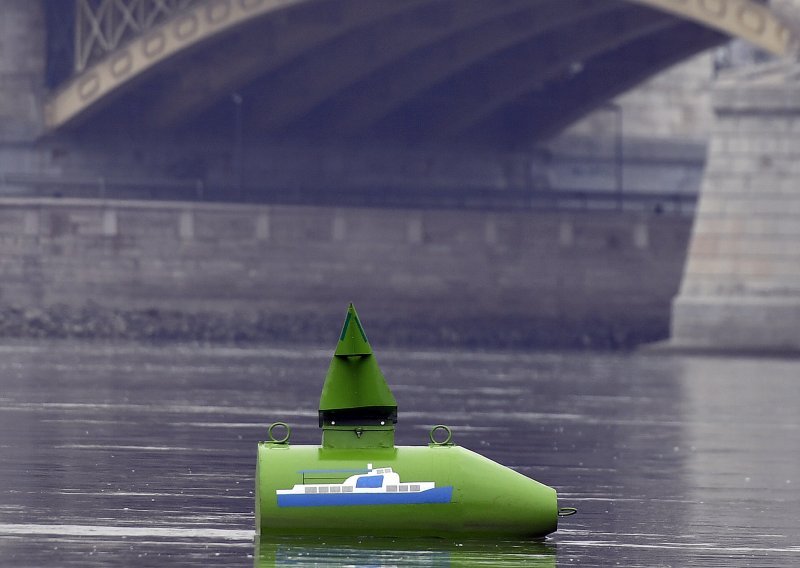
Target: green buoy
[358, 483]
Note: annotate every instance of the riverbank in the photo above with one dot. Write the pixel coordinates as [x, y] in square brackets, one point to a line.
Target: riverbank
[157, 325]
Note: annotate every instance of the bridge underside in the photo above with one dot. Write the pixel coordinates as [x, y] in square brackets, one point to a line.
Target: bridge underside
[506, 73]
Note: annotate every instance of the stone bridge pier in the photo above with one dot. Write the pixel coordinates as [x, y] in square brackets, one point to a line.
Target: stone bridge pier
[741, 282]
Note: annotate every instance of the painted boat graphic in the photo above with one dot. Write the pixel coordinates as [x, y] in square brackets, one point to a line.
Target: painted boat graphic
[380, 486]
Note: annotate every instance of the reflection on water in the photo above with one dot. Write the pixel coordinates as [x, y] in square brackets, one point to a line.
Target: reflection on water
[131, 455]
[381, 552]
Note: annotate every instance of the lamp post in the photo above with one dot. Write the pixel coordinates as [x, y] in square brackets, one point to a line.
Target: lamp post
[619, 159]
[238, 144]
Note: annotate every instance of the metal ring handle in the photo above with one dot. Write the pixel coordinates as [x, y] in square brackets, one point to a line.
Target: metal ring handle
[272, 434]
[446, 440]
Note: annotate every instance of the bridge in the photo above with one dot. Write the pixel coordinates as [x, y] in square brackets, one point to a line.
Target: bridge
[178, 88]
[507, 72]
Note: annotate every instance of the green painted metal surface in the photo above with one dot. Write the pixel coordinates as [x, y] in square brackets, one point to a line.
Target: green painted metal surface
[358, 483]
[354, 379]
[355, 394]
[353, 339]
[487, 498]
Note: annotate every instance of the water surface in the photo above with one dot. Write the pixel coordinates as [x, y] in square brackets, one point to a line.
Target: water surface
[134, 455]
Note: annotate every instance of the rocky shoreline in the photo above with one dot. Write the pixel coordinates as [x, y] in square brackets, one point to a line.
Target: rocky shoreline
[155, 326]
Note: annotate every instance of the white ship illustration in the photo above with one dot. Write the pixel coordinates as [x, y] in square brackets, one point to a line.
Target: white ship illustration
[375, 486]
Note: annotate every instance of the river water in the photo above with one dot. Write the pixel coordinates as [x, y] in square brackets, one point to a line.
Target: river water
[144, 456]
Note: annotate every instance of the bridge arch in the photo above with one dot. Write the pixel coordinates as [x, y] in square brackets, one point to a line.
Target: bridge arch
[746, 19]
[423, 68]
[198, 24]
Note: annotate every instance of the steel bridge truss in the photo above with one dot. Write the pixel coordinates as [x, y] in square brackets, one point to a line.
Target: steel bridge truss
[101, 26]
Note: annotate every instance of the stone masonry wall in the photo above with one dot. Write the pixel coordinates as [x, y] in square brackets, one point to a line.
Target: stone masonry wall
[226, 272]
[22, 62]
[741, 287]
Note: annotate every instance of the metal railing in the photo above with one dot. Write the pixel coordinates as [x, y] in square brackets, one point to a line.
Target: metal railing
[487, 199]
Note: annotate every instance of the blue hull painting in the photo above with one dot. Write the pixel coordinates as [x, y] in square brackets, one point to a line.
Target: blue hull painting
[435, 495]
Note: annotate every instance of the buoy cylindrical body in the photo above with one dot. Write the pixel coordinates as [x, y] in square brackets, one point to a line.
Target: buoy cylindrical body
[436, 490]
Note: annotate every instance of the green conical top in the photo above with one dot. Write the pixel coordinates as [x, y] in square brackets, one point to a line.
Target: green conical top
[354, 380]
[352, 340]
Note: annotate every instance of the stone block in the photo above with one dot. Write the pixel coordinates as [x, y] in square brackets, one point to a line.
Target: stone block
[290, 225]
[641, 236]
[222, 226]
[415, 230]
[566, 234]
[737, 323]
[262, 227]
[157, 225]
[375, 226]
[339, 228]
[186, 225]
[490, 231]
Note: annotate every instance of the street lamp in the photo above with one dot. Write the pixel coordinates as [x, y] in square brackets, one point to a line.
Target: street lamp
[238, 144]
[619, 162]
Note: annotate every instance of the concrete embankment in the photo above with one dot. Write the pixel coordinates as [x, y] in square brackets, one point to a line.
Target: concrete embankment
[241, 273]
